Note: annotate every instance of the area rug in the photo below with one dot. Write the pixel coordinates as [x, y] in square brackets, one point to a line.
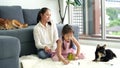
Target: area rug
[32, 61]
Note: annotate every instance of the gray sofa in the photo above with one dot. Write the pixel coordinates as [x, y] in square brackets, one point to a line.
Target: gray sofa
[25, 35]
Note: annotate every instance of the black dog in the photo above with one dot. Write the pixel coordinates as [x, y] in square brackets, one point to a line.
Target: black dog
[102, 54]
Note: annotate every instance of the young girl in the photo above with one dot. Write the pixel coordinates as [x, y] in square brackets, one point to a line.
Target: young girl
[65, 46]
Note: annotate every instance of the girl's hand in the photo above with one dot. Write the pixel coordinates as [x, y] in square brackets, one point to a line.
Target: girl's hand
[47, 49]
[66, 62]
[76, 57]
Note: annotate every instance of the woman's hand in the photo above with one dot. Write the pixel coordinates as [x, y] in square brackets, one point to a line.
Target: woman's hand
[48, 50]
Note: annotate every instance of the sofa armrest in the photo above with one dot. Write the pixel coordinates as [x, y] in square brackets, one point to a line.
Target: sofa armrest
[9, 52]
[76, 29]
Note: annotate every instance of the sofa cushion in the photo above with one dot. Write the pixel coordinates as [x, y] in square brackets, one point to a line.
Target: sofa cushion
[11, 12]
[30, 16]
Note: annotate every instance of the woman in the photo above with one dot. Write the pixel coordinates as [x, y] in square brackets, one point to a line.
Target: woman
[45, 34]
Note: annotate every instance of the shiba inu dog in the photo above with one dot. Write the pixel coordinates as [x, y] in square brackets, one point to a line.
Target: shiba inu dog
[102, 54]
[6, 24]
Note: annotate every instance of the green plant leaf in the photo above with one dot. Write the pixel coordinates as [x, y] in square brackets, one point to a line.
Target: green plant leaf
[78, 2]
[74, 3]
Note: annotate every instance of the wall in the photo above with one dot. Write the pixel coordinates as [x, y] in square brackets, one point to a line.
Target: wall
[62, 6]
[34, 4]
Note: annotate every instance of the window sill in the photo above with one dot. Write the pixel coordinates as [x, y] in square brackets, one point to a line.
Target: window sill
[94, 41]
[98, 37]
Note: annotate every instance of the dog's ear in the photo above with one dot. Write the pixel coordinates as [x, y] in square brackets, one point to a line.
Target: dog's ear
[98, 45]
[104, 45]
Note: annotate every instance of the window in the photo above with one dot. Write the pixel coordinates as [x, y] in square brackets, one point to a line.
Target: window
[99, 19]
[109, 20]
[112, 18]
[77, 17]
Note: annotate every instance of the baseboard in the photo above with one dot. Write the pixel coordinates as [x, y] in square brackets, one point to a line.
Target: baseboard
[113, 44]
